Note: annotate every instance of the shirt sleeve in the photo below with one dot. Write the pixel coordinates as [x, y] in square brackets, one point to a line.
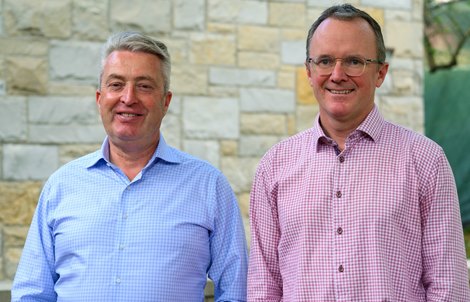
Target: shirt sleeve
[229, 259]
[445, 275]
[35, 276]
[264, 277]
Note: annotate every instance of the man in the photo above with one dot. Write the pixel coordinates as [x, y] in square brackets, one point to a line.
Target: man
[136, 220]
[355, 208]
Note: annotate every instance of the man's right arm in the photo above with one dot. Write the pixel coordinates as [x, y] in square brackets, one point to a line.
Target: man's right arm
[35, 276]
[264, 278]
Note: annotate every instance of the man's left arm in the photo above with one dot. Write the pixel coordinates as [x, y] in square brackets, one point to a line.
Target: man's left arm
[229, 263]
[445, 274]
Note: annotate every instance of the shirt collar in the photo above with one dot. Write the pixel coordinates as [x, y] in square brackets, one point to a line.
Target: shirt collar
[371, 126]
[163, 152]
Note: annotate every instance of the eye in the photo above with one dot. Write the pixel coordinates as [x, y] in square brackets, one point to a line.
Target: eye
[145, 87]
[115, 85]
[324, 61]
[354, 61]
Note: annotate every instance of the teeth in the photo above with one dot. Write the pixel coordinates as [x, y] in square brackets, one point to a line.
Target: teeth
[128, 114]
[340, 91]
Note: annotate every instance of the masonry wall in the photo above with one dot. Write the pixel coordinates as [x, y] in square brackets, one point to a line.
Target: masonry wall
[238, 80]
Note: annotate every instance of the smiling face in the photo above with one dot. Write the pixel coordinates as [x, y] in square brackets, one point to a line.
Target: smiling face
[345, 99]
[131, 99]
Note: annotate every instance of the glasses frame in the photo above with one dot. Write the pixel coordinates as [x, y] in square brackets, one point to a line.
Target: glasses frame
[311, 62]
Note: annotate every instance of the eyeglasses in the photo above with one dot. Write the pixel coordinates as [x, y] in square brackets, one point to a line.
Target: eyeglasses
[353, 66]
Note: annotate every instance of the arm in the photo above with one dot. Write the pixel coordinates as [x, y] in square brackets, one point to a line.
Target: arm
[444, 263]
[264, 277]
[228, 247]
[35, 276]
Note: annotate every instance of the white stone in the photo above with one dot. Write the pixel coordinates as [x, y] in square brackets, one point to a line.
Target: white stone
[142, 15]
[13, 124]
[66, 134]
[90, 19]
[256, 145]
[402, 4]
[189, 14]
[293, 52]
[29, 162]
[211, 118]
[171, 130]
[239, 172]
[239, 11]
[242, 77]
[267, 100]
[208, 150]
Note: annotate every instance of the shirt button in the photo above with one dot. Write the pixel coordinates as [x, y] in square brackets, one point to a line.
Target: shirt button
[339, 230]
[118, 280]
[121, 247]
[124, 216]
[341, 159]
[338, 194]
[341, 269]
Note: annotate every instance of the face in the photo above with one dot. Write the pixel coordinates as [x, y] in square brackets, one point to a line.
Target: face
[131, 99]
[341, 98]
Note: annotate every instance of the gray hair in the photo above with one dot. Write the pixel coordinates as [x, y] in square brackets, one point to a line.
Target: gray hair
[137, 42]
[349, 12]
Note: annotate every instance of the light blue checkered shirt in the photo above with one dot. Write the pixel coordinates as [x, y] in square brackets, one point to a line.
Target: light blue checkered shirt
[96, 236]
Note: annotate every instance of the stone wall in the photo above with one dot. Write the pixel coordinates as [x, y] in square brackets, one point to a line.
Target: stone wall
[238, 80]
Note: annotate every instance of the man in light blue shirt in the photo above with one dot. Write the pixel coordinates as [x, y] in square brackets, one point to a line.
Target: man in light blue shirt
[136, 220]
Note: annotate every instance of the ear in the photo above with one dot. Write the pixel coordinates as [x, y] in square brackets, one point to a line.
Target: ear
[309, 73]
[167, 101]
[383, 69]
[98, 98]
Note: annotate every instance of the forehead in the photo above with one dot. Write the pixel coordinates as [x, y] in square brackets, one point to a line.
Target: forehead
[343, 37]
[132, 62]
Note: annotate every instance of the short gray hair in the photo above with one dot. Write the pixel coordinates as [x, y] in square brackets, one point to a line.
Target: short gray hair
[137, 42]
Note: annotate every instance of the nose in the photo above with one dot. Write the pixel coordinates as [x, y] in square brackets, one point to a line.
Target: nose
[128, 96]
[338, 74]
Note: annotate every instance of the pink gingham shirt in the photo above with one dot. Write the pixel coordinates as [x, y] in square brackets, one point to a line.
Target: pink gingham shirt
[379, 221]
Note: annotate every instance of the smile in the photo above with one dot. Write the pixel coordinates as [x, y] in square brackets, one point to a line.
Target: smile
[340, 91]
[129, 114]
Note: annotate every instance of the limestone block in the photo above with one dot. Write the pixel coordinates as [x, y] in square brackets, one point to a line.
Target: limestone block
[29, 162]
[27, 47]
[267, 100]
[229, 147]
[242, 77]
[175, 105]
[13, 124]
[221, 121]
[293, 52]
[402, 36]
[223, 91]
[241, 11]
[189, 14]
[239, 172]
[179, 51]
[295, 17]
[142, 15]
[41, 17]
[377, 13]
[256, 145]
[90, 19]
[401, 4]
[274, 124]
[258, 60]
[286, 79]
[305, 94]
[293, 34]
[72, 89]
[221, 28]
[26, 75]
[15, 236]
[189, 80]
[63, 110]
[75, 61]
[66, 134]
[171, 129]
[406, 111]
[207, 150]
[305, 116]
[18, 202]
[213, 49]
[70, 152]
[12, 258]
[258, 38]
[291, 124]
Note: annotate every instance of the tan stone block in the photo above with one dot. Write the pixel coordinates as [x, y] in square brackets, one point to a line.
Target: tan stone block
[403, 36]
[18, 202]
[71, 152]
[305, 94]
[229, 148]
[188, 79]
[60, 26]
[306, 116]
[287, 14]
[26, 75]
[15, 236]
[221, 28]
[244, 204]
[377, 13]
[12, 258]
[213, 49]
[263, 124]
[291, 124]
[289, 34]
[73, 89]
[258, 60]
[286, 79]
[27, 47]
[258, 38]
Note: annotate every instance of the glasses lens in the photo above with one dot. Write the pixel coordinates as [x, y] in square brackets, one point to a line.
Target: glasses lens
[354, 66]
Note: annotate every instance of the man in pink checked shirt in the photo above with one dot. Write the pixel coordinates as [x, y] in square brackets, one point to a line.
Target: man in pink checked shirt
[355, 208]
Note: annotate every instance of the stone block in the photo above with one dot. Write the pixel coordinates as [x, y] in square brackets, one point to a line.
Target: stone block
[63, 110]
[147, 16]
[305, 116]
[241, 11]
[207, 150]
[274, 124]
[68, 153]
[26, 47]
[241, 77]
[29, 162]
[12, 258]
[13, 124]
[82, 61]
[189, 14]
[402, 37]
[229, 147]
[26, 75]
[401, 4]
[258, 38]
[220, 122]
[256, 145]
[15, 236]
[258, 60]
[171, 130]
[60, 25]
[66, 134]
[189, 80]
[72, 89]
[304, 91]
[405, 111]
[293, 52]
[213, 49]
[267, 100]
[18, 202]
[90, 19]
[239, 172]
[295, 17]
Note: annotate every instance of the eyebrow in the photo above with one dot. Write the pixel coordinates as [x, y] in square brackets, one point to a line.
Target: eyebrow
[114, 76]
